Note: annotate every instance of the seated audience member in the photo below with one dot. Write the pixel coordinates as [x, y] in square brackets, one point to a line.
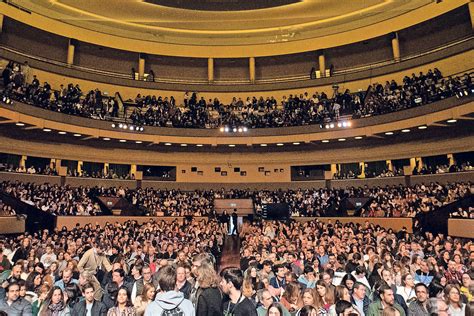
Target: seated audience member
[89, 306]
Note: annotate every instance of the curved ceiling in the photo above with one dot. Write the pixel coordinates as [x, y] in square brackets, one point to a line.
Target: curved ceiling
[289, 21]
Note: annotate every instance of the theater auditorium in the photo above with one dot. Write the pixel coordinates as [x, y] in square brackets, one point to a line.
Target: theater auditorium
[236, 158]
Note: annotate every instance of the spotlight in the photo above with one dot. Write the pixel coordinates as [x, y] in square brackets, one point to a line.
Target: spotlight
[358, 137]
[106, 138]
[245, 129]
[124, 126]
[452, 121]
[120, 125]
[132, 128]
[20, 124]
[138, 142]
[339, 125]
[77, 135]
[62, 133]
[234, 129]
[331, 125]
[123, 140]
[226, 129]
[113, 125]
[280, 144]
[344, 124]
[142, 129]
[231, 145]
[342, 139]
[221, 129]
[388, 133]
[349, 124]
[325, 141]
[46, 129]
[240, 130]
[326, 126]
[406, 130]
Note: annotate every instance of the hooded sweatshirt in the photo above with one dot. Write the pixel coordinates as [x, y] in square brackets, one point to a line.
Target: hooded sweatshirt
[167, 301]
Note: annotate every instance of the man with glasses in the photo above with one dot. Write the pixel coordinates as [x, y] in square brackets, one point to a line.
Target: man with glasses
[265, 299]
[437, 307]
[419, 307]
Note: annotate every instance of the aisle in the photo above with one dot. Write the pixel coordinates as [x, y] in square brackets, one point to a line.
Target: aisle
[230, 253]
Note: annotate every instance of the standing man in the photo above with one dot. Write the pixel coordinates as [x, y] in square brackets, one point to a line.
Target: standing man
[234, 222]
[231, 284]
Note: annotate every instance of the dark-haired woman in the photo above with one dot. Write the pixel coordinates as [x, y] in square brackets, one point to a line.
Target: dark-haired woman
[123, 304]
[54, 304]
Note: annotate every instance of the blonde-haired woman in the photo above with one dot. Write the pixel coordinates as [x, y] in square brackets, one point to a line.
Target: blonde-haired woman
[209, 296]
[142, 301]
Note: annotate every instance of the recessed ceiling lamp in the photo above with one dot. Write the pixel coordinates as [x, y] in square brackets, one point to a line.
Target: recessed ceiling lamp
[123, 140]
[199, 145]
[167, 144]
[231, 145]
[77, 135]
[422, 127]
[388, 133]
[325, 141]
[20, 124]
[62, 133]
[184, 145]
[358, 137]
[452, 121]
[296, 143]
[280, 144]
[263, 145]
[138, 142]
[406, 130]
[342, 139]
[106, 138]
[46, 130]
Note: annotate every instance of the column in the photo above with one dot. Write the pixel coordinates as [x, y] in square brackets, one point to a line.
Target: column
[389, 165]
[451, 160]
[395, 47]
[471, 12]
[322, 63]
[362, 170]
[252, 69]
[210, 69]
[1, 22]
[141, 66]
[333, 169]
[412, 164]
[133, 170]
[79, 167]
[22, 163]
[106, 168]
[70, 52]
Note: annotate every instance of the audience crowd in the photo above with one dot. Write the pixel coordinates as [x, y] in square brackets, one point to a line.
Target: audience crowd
[196, 112]
[388, 201]
[294, 268]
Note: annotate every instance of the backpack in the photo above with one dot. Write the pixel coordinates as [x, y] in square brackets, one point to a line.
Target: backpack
[177, 311]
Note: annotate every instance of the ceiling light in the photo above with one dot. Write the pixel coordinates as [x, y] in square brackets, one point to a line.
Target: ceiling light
[344, 124]
[113, 125]
[123, 140]
[184, 145]
[452, 121]
[62, 133]
[245, 129]
[167, 144]
[120, 125]
[221, 129]
[331, 125]
[199, 145]
[296, 143]
[325, 141]
[106, 138]
[46, 130]
[358, 137]
[234, 129]
[422, 127]
[77, 135]
[138, 142]
[339, 125]
[388, 133]
[240, 130]
[342, 139]
[263, 145]
[406, 130]
[349, 124]
[20, 124]
[231, 145]
[226, 129]
[280, 144]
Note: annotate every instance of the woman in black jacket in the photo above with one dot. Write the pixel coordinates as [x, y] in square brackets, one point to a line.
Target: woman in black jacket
[209, 297]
